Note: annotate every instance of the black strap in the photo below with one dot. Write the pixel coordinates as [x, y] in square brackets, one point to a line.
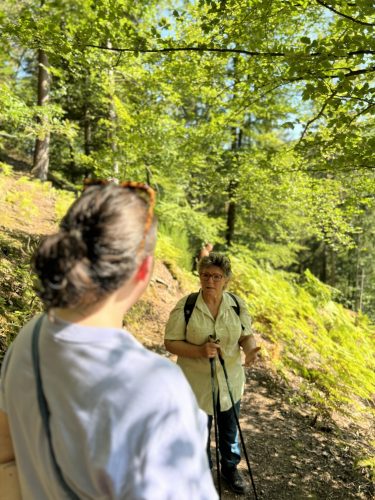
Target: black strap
[192, 299]
[43, 407]
[189, 306]
[237, 306]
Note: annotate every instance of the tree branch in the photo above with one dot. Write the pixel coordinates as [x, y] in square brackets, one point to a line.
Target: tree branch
[316, 117]
[355, 98]
[228, 51]
[332, 9]
[190, 49]
[360, 71]
[349, 74]
[334, 170]
[362, 112]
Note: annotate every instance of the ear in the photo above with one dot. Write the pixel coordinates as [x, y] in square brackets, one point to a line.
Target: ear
[145, 269]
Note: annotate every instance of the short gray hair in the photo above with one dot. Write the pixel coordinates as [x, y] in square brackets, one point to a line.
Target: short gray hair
[218, 260]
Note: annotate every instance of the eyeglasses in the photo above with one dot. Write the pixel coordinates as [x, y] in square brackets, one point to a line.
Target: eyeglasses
[215, 276]
[136, 186]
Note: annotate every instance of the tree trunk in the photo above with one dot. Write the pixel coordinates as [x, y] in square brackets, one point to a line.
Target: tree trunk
[41, 151]
[113, 119]
[361, 290]
[87, 131]
[331, 267]
[232, 189]
[231, 213]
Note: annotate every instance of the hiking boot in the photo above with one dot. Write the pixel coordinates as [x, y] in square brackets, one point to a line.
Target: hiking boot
[234, 480]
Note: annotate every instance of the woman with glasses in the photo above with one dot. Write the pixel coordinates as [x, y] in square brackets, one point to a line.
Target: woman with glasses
[86, 411]
[219, 323]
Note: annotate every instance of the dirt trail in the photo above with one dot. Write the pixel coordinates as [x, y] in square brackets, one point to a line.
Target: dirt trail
[290, 459]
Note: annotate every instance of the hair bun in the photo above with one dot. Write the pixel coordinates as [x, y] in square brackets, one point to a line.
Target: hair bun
[71, 245]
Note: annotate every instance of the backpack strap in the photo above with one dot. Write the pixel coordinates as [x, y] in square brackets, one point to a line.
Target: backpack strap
[189, 306]
[237, 307]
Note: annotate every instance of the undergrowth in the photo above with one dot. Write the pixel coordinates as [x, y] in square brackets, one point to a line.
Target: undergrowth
[19, 202]
[331, 349]
[175, 253]
[18, 302]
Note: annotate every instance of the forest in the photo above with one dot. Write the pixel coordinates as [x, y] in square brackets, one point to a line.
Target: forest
[254, 122]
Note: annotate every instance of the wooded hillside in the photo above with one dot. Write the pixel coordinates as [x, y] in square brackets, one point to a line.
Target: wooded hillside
[254, 122]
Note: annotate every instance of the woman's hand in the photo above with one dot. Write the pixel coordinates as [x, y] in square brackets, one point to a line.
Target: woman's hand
[251, 356]
[210, 349]
[250, 349]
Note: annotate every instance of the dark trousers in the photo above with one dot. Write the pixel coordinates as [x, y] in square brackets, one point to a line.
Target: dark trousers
[229, 446]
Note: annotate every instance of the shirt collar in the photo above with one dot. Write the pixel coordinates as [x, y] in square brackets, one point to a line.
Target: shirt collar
[226, 303]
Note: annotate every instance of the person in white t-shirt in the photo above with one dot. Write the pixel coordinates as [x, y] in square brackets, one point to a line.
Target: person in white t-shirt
[123, 421]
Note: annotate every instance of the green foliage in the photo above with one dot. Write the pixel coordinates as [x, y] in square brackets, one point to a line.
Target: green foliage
[18, 302]
[63, 200]
[368, 462]
[173, 246]
[5, 169]
[24, 203]
[170, 252]
[270, 115]
[320, 292]
[329, 347]
[196, 225]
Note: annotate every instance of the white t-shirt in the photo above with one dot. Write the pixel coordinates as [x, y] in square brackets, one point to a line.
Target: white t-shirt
[124, 421]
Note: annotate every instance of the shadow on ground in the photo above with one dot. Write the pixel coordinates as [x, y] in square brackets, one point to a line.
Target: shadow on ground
[290, 459]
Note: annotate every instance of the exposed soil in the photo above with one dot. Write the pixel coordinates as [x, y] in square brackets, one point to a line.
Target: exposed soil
[24, 208]
[293, 454]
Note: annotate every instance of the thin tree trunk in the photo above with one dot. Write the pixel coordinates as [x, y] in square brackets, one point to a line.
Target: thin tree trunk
[41, 151]
[232, 190]
[361, 290]
[331, 267]
[359, 277]
[324, 270]
[87, 131]
[231, 214]
[113, 119]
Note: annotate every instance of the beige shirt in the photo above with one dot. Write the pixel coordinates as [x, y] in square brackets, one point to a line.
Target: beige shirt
[227, 329]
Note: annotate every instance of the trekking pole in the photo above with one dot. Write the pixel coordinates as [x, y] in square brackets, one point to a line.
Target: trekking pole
[212, 363]
[238, 426]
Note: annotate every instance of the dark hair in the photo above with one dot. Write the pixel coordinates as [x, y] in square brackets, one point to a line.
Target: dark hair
[216, 259]
[96, 249]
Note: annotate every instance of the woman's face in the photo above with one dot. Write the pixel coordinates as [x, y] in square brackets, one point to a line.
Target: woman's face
[213, 280]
